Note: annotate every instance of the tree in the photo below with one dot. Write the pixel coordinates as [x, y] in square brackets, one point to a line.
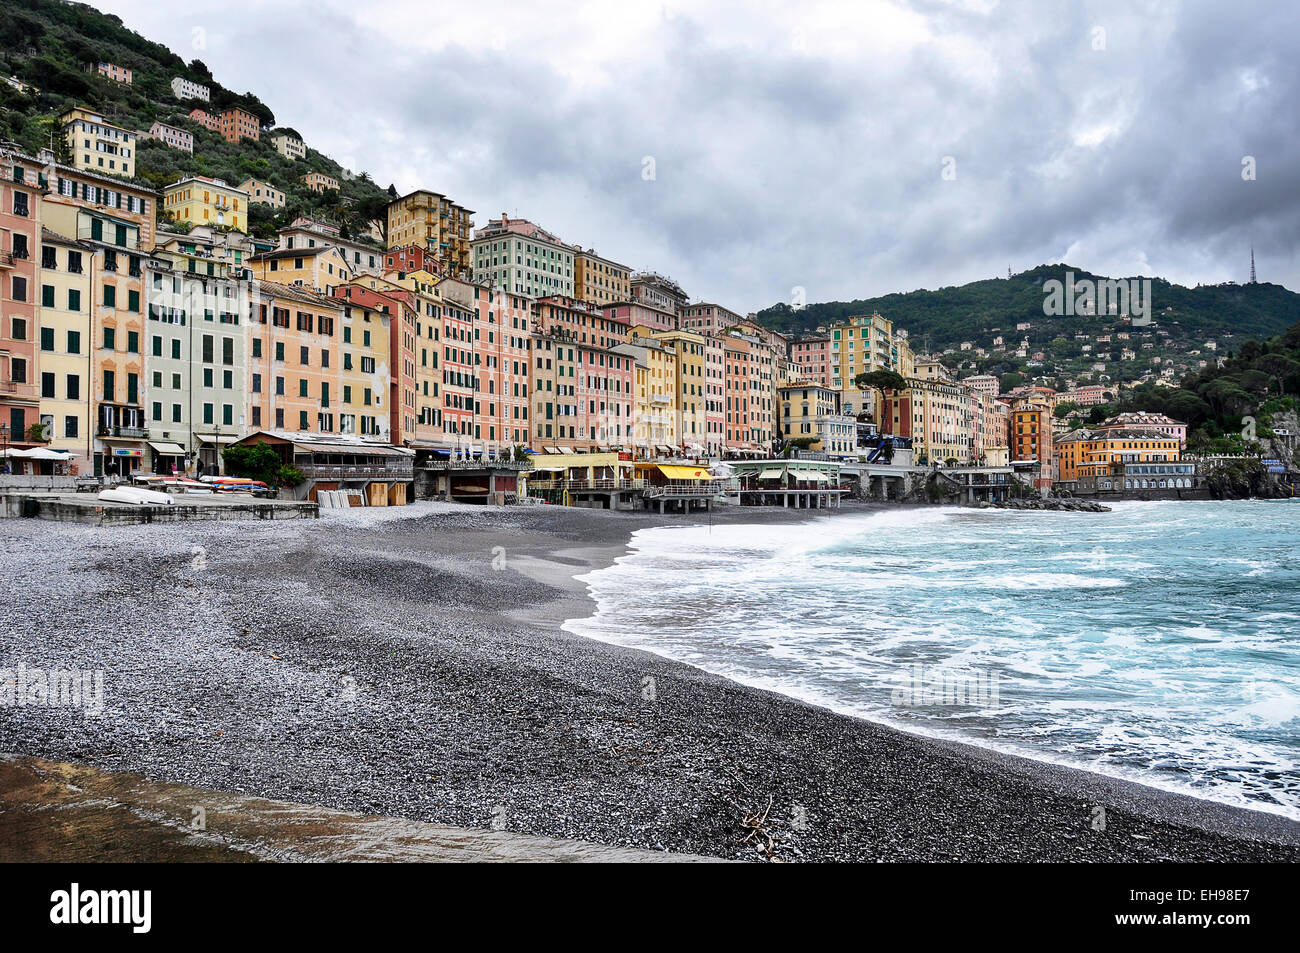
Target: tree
[881, 380]
[259, 461]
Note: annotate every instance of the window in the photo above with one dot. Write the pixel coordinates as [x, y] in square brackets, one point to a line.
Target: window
[47, 339]
[47, 384]
[74, 388]
[74, 299]
[19, 287]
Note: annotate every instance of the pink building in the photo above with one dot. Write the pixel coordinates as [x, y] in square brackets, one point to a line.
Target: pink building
[706, 318]
[1147, 423]
[20, 192]
[205, 119]
[813, 355]
[502, 405]
[601, 387]
[637, 314]
[1090, 394]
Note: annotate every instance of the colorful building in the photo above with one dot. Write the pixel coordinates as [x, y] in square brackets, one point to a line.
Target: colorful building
[97, 145]
[522, 258]
[21, 190]
[582, 390]
[316, 366]
[813, 355]
[65, 353]
[654, 410]
[172, 137]
[262, 192]
[118, 74]
[196, 358]
[236, 124]
[436, 223]
[810, 411]
[695, 395]
[598, 280]
[206, 119]
[320, 182]
[203, 201]
[935, 414]
[291, 147]
[318, 269]
[1146, 422]
[1097, 459]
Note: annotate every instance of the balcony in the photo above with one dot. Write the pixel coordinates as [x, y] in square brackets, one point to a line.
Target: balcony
[129, 433]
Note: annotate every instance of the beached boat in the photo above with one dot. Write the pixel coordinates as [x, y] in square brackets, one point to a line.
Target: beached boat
[135, 496]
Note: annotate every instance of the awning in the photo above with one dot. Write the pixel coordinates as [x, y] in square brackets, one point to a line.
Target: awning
[808, 476]
[216, 438]
[168, 449]
[684, 473]
[771, 473]
[568, 450]
[42, 453]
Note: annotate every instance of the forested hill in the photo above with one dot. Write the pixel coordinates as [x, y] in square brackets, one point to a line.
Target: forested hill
[979, 311]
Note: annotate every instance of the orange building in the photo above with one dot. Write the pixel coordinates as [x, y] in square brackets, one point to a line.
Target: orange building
[237, 124]
[1030, 426]
[1092, 454]
[315, 366]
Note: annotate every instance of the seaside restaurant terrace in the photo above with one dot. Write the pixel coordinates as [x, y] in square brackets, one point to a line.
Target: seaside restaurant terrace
[376, 474]
[603, 480]
[802, 484]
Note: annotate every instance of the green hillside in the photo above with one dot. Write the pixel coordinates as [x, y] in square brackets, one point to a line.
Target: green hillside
[979, 311]
[49, 43]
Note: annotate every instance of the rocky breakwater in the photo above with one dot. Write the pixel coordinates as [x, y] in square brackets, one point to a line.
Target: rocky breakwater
[1051, 503]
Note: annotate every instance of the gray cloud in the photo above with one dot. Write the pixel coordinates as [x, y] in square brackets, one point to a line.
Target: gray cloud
[810, 152]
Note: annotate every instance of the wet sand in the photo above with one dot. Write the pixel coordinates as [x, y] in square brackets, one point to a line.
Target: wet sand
[409, 664]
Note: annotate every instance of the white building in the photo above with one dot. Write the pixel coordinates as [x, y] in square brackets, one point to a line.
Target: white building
[184, 89]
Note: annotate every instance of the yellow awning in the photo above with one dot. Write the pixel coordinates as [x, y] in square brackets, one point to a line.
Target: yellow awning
[684, 473]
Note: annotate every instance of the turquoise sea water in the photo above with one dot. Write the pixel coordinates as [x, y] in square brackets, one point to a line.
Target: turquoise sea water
[1159, 642]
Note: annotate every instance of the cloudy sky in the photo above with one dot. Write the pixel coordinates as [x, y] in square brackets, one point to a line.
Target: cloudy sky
[848, 148]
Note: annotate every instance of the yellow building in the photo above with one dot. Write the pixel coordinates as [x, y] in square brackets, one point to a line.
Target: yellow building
[319, 269]
[1085, 454]
[320, 182]
[97, 145]
[436, 223]
[203, 201]
[599, 280]
[263, 192]
[65, 346]
[654, 405]
[860, 345]
[291, 147]
[691, 405]
[810, 411]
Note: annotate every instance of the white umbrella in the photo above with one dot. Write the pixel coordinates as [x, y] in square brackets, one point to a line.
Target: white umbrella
[42, 453]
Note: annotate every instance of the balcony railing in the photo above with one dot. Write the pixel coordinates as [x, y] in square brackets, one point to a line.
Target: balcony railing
[134, 433]
[376, 472]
